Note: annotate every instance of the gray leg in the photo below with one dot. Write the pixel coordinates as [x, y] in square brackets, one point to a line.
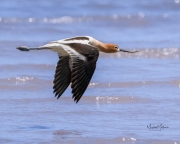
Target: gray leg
[25, 48]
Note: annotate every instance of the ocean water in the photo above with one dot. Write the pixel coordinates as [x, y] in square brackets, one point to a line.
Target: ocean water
[132, 98]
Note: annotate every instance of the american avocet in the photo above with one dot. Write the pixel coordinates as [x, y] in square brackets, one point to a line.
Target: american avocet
[77, 62]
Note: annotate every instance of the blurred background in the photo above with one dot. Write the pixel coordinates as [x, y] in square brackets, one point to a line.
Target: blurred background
[127, 92]
[131, 24]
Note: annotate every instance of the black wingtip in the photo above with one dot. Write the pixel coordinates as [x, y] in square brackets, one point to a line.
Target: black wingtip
[76, 100]
[23, 48]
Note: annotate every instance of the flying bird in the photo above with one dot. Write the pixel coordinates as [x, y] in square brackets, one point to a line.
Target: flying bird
[77, 62]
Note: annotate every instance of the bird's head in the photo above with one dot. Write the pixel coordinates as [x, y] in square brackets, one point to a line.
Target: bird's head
[113, 48]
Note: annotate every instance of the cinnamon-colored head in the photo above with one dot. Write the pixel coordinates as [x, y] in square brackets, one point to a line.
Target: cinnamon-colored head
[111, 48]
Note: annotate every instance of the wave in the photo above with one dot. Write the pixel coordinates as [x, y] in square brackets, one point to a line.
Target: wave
[34, 81]
[130, 19]
[90, 99]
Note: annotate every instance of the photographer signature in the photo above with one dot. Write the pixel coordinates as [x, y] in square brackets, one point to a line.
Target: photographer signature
[156, 127]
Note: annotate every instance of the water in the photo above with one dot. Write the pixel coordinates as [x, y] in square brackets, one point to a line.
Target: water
[127, 93]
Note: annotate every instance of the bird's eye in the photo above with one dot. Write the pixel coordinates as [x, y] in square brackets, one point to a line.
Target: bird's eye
[116, 47]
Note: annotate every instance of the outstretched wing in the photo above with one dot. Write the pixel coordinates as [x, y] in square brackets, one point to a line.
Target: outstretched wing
[78, 39]
[62, 77]
[82, 70]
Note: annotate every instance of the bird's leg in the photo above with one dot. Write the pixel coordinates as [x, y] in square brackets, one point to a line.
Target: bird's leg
[25, 48]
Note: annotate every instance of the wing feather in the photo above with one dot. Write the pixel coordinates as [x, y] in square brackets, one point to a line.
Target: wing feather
[78, 68]
[82, 72]
[62, 76]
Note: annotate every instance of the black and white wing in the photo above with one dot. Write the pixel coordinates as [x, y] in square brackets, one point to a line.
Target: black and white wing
[62, 77]
[82, 70]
